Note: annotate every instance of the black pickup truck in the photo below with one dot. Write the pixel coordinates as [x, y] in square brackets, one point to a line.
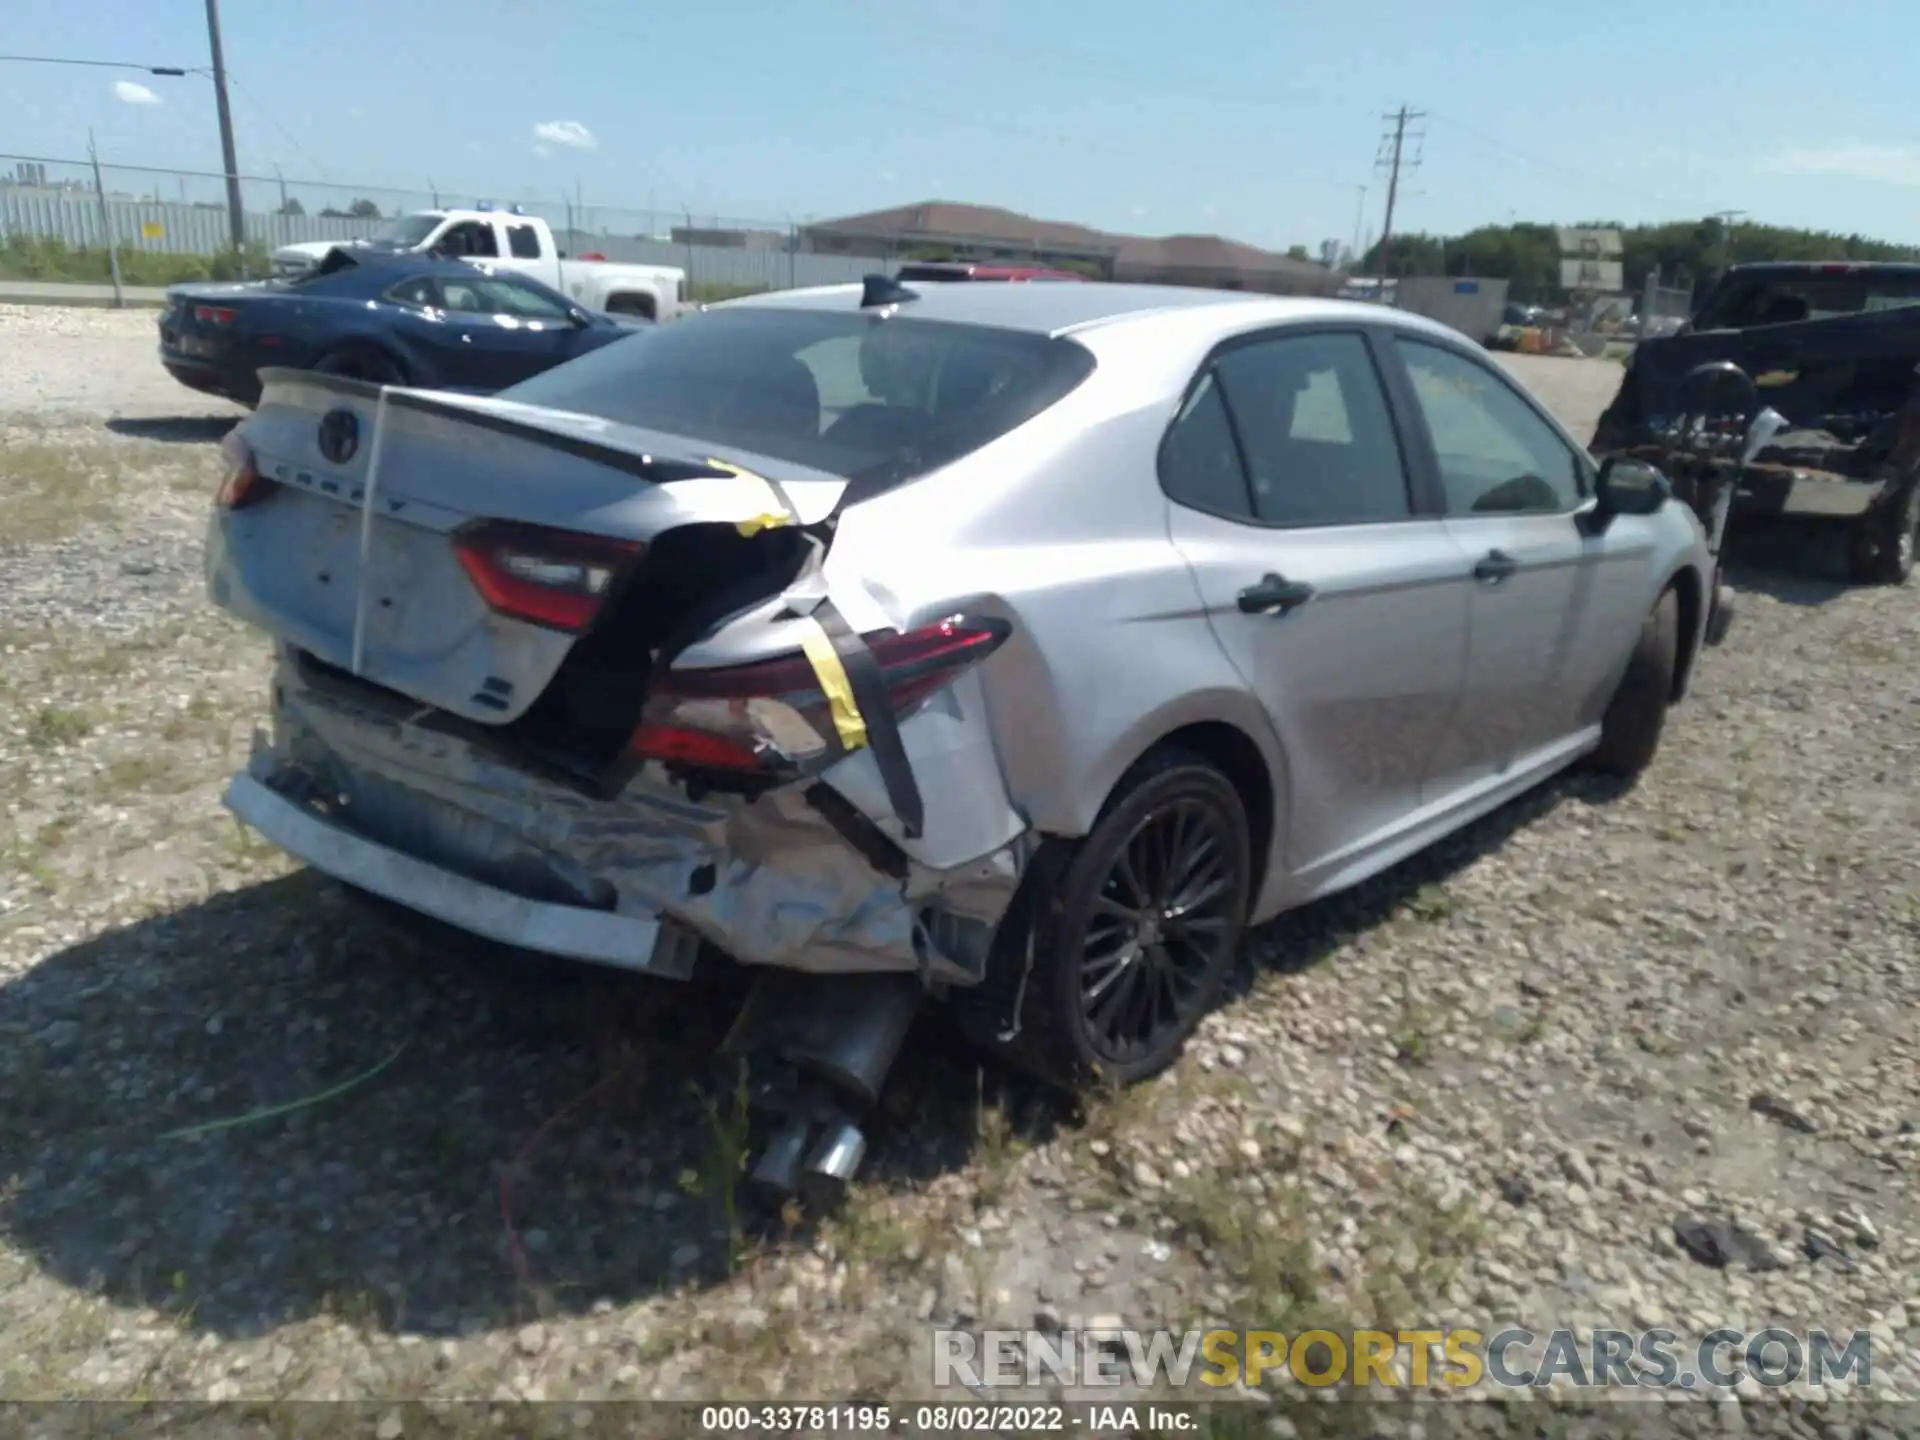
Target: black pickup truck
[1835, 350]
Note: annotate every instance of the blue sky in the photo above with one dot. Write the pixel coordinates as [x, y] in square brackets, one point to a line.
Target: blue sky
[1257, 121]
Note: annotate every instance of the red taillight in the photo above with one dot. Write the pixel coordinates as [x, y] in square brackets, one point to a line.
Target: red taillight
[243, 484]
[213, 315]
[773, 715]
[554, 578]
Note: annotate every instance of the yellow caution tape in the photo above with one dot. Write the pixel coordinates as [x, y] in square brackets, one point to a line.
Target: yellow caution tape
[768, 519]
[848, 723]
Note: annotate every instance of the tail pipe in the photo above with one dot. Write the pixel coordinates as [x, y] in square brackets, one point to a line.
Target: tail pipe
[819, 1048]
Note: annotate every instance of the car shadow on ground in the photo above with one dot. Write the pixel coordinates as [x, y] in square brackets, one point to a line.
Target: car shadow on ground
[548, 1135]
[1797, 562]
[176, 429]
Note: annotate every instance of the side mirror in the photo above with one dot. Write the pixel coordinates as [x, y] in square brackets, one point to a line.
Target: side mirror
[1626, 487]
[580, 319]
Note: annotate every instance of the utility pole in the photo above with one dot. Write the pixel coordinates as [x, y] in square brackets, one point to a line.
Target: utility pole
[283, 188]
[1393, 162]
[106, 224]
[1359, 219]
[236, 216]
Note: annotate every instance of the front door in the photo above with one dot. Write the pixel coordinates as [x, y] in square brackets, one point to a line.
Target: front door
[1550, 603]
[1341, 604]
[502, 331]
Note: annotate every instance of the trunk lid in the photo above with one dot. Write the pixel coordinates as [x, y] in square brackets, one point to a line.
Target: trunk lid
[351, 556]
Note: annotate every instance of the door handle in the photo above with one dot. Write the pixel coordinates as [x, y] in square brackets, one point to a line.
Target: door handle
[1274, 595]
[1494, 566]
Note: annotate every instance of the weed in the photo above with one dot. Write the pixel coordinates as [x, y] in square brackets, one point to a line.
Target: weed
[720, 1169]
[53, 727]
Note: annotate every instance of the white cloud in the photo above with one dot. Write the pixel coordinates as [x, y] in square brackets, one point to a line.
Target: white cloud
[1139, 212]
[887, 177]
[131, 94]
[570, 133]
[1849, 160]
[543, 152]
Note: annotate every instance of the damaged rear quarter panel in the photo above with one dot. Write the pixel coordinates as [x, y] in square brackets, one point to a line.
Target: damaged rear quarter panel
[1060, 527]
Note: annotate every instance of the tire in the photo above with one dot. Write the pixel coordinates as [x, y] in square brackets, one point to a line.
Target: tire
[1881, 544]
[1073, 1026]
[1630, 730]
[359, 362]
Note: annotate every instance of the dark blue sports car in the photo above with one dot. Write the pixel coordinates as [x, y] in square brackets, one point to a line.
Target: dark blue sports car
[402, 319]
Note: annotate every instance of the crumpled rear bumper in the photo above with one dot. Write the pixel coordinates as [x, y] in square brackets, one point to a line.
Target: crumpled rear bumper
[357, 786]
[575, 932]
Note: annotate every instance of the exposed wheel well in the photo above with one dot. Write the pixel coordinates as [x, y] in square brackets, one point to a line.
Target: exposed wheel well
[1240, 761]
[1686, 587]
[643, 305]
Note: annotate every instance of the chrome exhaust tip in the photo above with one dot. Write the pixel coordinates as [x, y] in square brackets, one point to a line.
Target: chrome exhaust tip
[831, 1167]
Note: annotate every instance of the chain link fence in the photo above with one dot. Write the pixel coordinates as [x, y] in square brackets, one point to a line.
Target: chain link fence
[164, 226]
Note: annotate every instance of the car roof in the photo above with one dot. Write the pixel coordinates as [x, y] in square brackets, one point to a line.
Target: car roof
[1056, 309]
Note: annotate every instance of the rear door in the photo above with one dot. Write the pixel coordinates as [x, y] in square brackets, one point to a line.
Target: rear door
[1553, 609]
[1336, 591]
[502, 331]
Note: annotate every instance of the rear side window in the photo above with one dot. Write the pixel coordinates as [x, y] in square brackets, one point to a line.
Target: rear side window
[1289, 431]
[1200, 463]
[835, 390]
[524, 242]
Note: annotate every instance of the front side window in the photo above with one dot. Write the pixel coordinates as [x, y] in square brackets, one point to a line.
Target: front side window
[468, 239]
[492, 295]
[1497, 456]
[418, 293]
[835, 390]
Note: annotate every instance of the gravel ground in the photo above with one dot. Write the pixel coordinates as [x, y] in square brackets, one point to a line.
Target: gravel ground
[1483, 1089]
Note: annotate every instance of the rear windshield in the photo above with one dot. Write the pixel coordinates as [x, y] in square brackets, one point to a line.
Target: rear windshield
[849, 393]
[1779, 299]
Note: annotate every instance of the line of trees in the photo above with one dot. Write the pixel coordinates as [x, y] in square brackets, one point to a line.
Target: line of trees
[1683, 253]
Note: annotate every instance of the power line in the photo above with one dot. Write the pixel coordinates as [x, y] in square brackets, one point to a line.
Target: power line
[1555, 168]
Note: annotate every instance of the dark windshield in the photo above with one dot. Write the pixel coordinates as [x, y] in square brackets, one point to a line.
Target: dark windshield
[1783, 297]
[840, 391]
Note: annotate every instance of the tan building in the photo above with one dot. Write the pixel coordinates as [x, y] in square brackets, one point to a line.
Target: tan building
[988, 233]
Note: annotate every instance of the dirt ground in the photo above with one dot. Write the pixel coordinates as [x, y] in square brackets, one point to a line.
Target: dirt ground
[1483, 1089]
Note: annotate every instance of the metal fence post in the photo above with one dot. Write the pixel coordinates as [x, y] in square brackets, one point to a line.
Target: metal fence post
[106, 224]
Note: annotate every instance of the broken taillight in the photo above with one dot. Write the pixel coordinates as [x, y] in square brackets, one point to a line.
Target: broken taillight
[558, 579]
[773, 715]
[242, 484]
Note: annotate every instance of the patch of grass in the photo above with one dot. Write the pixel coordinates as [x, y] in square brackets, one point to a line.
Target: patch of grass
[33, 257]
[49, 492]
[1430, 904]
[53, 726]
[142, 773]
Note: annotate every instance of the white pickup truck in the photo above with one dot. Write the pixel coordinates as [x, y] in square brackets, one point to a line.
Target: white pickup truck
[509, 240]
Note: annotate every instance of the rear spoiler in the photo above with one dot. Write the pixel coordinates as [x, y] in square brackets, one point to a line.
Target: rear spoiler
[656, 468]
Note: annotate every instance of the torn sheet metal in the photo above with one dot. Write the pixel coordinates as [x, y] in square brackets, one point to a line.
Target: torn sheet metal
[769, 880]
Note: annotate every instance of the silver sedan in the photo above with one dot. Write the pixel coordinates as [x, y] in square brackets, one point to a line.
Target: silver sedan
[1017, 645]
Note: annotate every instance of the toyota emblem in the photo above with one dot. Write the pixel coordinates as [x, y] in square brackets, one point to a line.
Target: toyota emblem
[339, 435]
